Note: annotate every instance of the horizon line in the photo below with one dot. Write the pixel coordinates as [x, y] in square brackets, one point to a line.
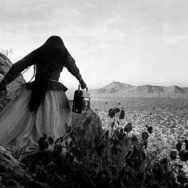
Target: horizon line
[135, 85]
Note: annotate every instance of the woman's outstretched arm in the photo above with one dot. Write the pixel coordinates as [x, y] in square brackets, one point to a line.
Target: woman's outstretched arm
[73, 69]
[16, 69]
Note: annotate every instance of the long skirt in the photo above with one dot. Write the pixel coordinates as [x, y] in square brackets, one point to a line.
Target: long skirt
[20, 129]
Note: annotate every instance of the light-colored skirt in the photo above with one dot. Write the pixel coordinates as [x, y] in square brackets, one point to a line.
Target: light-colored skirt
[20, 129]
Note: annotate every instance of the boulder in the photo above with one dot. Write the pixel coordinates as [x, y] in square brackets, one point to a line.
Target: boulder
[87, 122]
[5, 65]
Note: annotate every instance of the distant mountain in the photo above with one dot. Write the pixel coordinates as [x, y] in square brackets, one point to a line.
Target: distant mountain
[119, 89]
[113, 87]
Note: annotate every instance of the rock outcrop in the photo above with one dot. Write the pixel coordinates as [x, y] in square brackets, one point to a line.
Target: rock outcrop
[13, 173]
[5, 65]
[89, 123]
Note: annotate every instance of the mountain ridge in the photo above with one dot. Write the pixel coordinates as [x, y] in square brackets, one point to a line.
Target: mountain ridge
[126, 90]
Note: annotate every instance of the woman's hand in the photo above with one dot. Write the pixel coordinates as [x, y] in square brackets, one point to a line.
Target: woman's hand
[83, 84]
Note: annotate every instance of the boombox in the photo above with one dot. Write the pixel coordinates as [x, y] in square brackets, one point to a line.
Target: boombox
[81, 101]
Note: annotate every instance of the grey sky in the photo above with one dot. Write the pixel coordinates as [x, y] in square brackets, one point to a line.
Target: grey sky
[132, 41]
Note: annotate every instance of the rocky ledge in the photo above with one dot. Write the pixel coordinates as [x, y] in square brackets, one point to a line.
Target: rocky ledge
[5, 65]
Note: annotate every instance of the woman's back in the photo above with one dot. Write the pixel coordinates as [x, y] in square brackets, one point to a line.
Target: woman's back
[51, 57]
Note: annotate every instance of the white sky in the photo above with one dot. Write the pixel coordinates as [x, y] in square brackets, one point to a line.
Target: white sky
[133, 41]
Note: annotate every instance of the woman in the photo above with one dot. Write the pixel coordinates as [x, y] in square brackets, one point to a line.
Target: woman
[41, 106]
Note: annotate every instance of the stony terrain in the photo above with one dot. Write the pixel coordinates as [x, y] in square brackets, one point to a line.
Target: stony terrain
[168, 116]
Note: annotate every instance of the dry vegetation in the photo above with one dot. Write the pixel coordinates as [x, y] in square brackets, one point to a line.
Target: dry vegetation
[125, 153]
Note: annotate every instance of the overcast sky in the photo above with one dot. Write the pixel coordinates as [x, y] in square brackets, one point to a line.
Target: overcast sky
[132, 41]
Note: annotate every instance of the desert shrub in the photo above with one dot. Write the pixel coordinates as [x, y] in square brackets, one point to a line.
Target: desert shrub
[113, 111]
[113, 160]
[122, 114]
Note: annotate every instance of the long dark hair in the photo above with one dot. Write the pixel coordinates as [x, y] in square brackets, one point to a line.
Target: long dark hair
[48, 57]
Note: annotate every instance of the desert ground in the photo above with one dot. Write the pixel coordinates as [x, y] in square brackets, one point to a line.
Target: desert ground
[167, 116]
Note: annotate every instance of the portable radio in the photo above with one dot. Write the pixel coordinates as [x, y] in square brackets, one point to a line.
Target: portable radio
[81, 101]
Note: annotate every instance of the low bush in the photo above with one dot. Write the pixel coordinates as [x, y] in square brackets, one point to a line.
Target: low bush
[113, 158]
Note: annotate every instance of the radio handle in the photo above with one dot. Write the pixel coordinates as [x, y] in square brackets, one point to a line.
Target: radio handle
[79, 86]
